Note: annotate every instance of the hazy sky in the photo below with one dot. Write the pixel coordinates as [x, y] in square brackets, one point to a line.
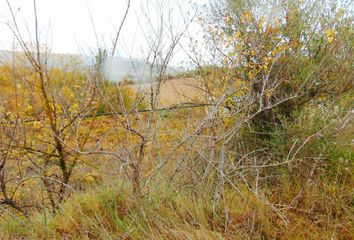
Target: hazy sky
[65, 25]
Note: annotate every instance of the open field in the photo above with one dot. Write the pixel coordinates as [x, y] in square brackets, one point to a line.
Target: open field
[175, 91]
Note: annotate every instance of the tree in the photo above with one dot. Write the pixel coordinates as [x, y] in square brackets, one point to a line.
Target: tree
[285, 53]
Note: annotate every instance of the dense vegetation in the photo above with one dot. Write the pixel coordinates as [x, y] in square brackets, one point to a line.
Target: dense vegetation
[268, 154]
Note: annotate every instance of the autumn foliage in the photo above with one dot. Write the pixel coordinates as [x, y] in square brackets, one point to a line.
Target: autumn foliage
[263, 151]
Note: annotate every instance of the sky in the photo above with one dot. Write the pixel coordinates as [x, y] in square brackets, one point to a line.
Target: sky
[66, 26]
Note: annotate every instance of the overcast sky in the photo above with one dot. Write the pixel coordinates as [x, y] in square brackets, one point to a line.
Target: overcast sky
[66, 27]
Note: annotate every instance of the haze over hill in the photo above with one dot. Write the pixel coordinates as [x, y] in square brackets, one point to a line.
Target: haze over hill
[115, 69]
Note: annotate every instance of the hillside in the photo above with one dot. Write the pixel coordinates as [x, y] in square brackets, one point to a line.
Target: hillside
[115, 69]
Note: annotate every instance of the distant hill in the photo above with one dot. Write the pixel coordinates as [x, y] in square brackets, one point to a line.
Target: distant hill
[118, 68]
[115, 69]
[54, 60]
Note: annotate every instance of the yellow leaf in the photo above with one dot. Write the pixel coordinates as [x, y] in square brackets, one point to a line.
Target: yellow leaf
[260, 23]
[237, 35]
[330, 34]
[247, 16]
[228, 20]
[250, 74]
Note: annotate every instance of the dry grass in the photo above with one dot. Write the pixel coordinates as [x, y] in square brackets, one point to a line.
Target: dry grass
[174, 91]
[110, 213]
